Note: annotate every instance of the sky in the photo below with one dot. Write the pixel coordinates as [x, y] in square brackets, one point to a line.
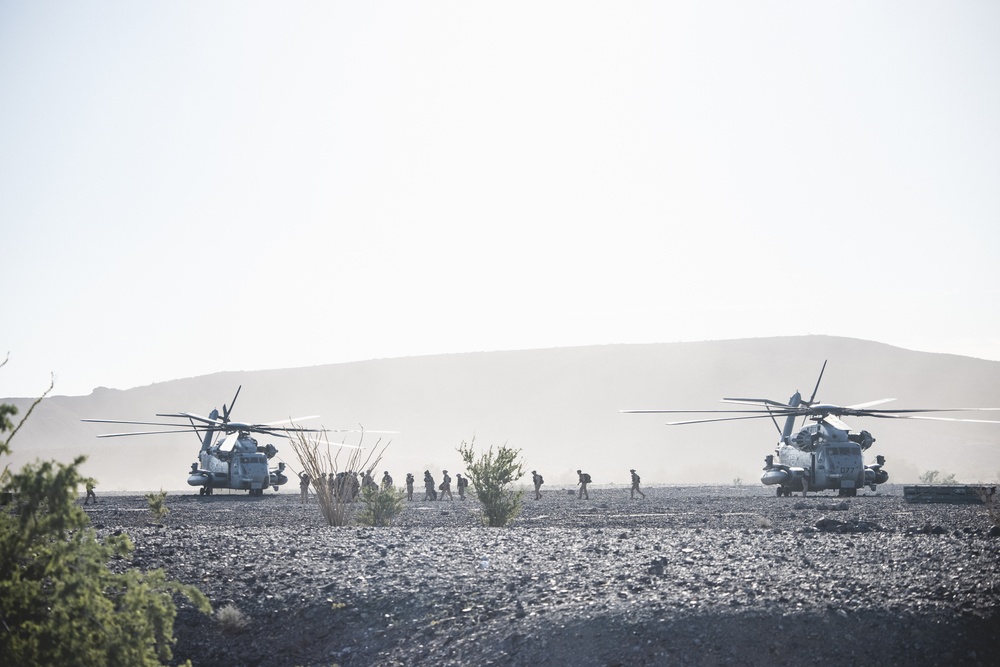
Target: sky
[192, 187]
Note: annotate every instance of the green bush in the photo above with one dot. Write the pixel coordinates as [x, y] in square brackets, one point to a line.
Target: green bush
[60, 603]
[158, 505]
[493, 475]
[381, 506]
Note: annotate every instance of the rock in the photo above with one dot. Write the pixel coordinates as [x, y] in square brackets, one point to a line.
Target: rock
[828, 524]
[618, 583]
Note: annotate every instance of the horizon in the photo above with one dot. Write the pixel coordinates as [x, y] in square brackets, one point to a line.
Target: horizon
[55, 391]
[563, 407]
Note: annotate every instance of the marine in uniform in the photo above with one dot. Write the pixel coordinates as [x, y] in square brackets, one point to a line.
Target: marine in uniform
[635, 485]
[584, 481]
[537, 480]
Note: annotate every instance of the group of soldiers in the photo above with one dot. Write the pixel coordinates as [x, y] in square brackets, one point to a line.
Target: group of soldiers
[431, 493]
[346, 486]
[584, 480]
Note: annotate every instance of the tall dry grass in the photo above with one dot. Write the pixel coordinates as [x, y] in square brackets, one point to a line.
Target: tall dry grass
[322, 460]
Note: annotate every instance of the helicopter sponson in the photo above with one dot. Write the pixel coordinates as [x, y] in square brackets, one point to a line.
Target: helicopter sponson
[783, 475]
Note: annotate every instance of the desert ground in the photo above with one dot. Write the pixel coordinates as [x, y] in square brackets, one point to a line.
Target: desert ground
[685, 576]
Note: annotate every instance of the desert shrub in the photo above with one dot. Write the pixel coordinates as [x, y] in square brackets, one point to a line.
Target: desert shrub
[60, 603]
[231, 620]
[381, 506]
[321, 464]
[158, 505]
[493, 475]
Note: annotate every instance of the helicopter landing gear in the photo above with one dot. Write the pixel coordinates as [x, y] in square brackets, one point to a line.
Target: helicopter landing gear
[205, 491]
[781, 491]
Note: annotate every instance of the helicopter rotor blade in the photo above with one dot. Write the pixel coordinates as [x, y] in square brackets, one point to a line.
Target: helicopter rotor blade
[118, 435]
[225, 410]
[318, 442]
[283, 432]
[869, 404]
[716, 419]
[818, 380]
[834, 422]
[941, 419]
[762, 413]
[288, 421]
[756, 401]
[122, 421]
[192, 416]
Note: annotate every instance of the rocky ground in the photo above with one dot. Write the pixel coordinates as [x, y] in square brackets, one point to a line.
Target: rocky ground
[686, 576]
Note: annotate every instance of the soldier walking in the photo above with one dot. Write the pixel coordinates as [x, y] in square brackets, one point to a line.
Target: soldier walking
[463, 483]
[584, 481]
[386, 480]
[90, 493]
[409, 486]
[537, 480]
[635, 485]
[446, 485]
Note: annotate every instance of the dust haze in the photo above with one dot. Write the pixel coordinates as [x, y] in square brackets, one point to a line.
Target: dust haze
[559, 406]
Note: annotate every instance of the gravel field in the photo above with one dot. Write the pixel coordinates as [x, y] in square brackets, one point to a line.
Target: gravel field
[687, 576]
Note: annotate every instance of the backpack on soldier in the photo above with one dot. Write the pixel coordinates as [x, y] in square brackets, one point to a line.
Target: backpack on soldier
[586, 477]
[541, 480]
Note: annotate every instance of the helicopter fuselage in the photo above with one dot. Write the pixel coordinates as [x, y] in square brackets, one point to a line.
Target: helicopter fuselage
[236, 461]
[822, 457]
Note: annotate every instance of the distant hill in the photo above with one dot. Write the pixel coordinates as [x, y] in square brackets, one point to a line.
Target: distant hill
[560, 406]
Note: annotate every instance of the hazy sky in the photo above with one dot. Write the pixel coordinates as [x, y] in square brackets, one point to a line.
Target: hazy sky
[191, 187]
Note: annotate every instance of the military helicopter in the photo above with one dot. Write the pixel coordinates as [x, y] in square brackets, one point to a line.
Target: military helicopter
[234, 460]
[824, 455]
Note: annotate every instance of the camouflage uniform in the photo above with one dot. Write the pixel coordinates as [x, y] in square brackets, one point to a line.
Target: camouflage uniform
[462, 483]
[584, 481]
[409, 486]
[304, 487]
[635, 485]
[537, 480]
[386, 480]
[446, 485]
[90, 493]
[430, 493]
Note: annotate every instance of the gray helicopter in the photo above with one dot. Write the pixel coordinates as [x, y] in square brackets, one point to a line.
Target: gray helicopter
[824, 455]
[234, 460]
